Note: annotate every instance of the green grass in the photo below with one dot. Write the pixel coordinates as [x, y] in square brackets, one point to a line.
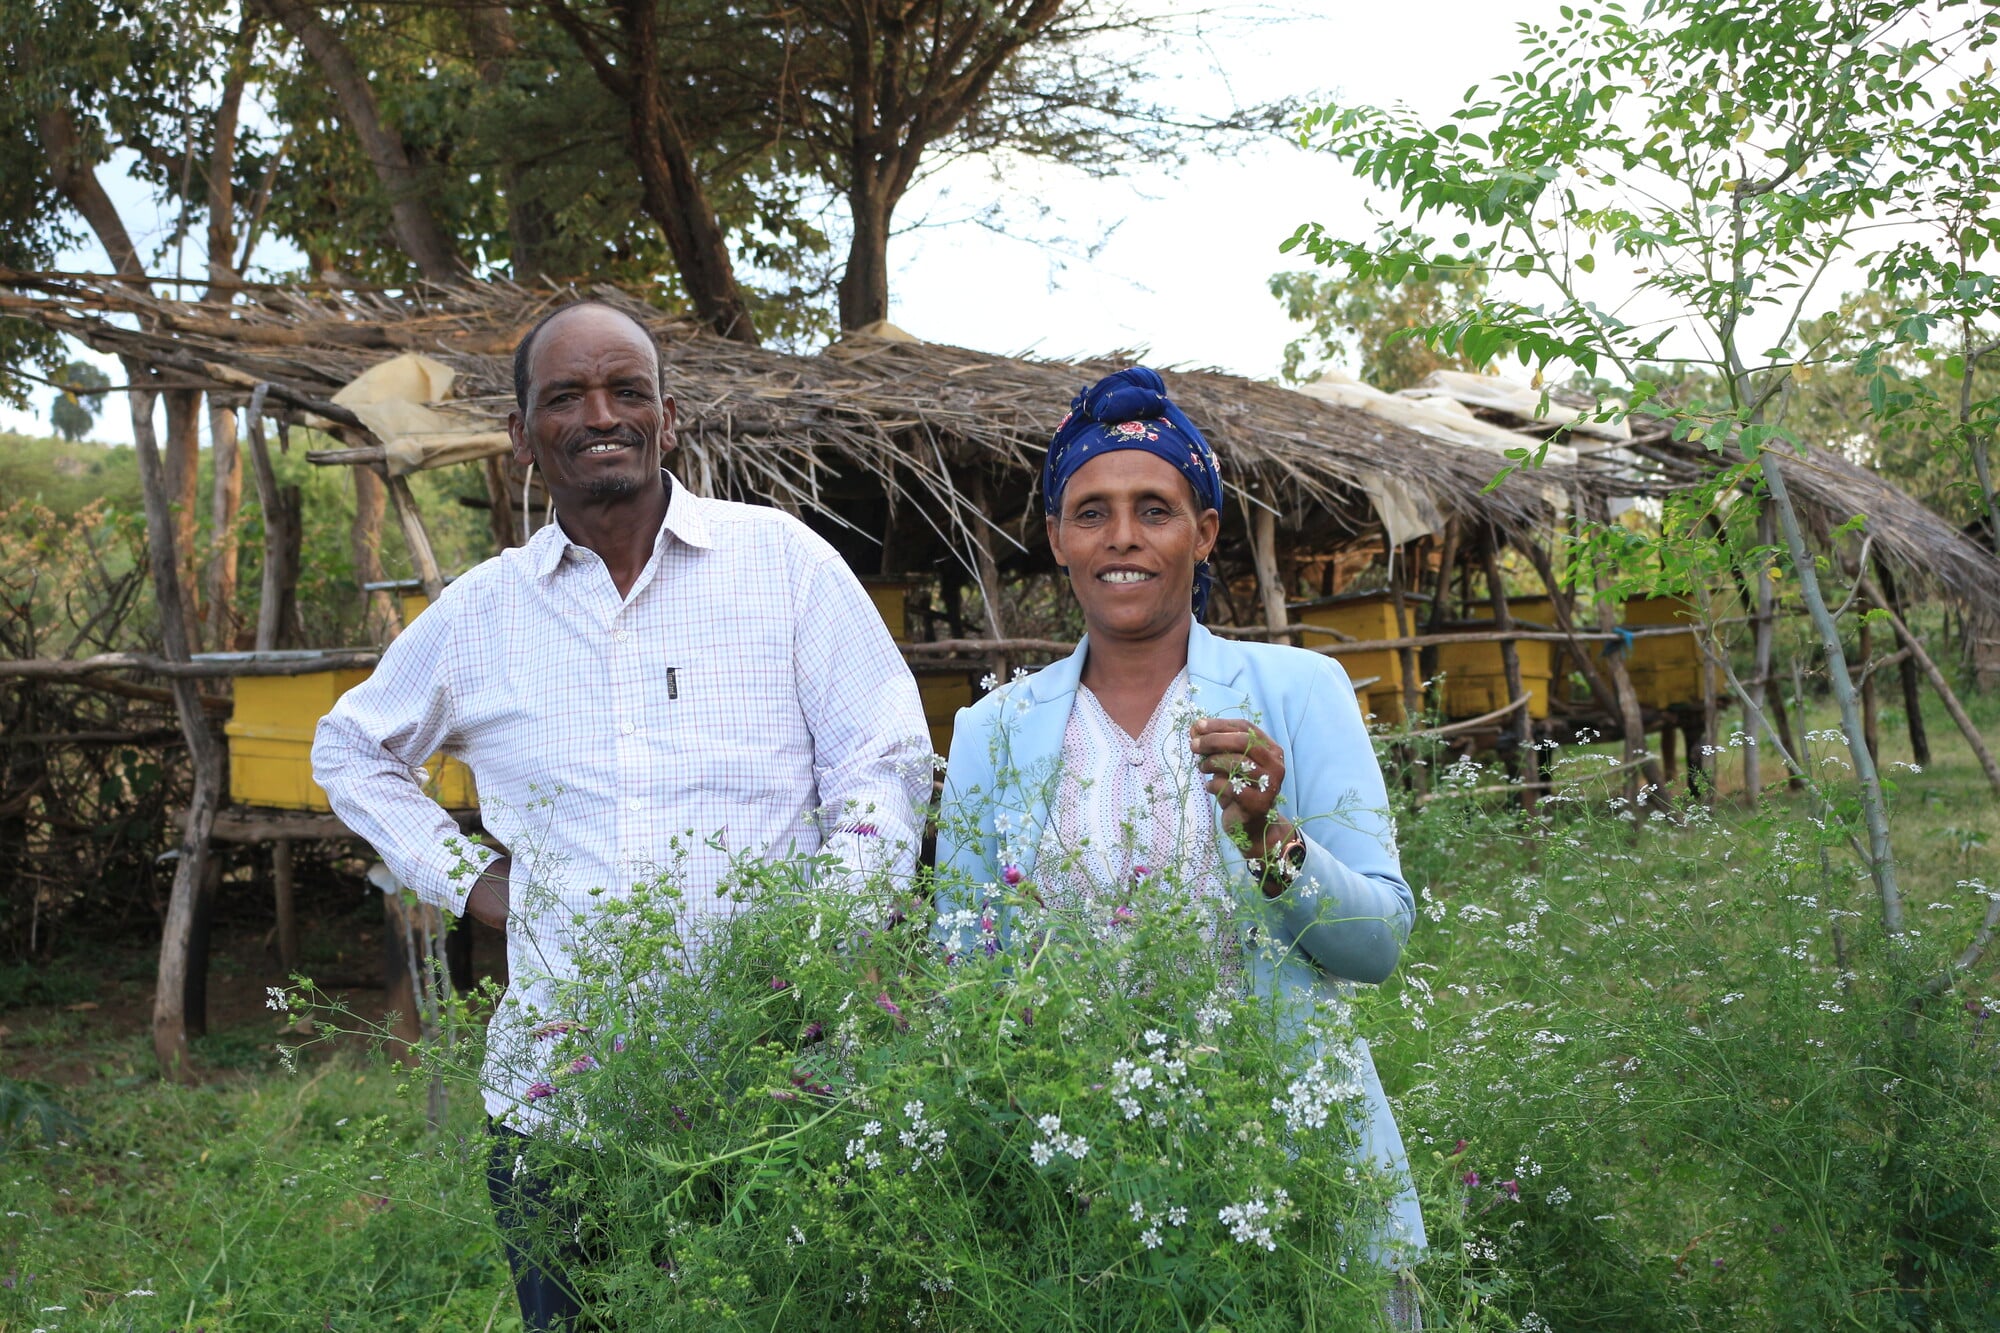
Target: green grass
[319, 1199]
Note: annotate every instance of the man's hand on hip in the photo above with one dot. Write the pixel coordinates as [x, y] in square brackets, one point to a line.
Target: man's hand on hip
[487, 903]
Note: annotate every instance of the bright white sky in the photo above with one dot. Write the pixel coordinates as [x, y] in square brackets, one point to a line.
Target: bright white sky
[1190, 249]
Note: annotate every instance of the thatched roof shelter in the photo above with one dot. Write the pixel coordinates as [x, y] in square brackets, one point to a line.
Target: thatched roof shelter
[941, 446]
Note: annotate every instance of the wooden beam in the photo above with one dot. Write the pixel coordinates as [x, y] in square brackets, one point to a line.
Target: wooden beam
[212, 666]
[422, 559]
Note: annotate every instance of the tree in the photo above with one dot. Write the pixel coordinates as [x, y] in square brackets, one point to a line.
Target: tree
[873, 93]
[1381, 324]
[1730, 159]
[74, 409]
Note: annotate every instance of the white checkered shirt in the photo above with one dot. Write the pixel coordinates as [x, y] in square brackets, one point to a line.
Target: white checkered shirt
[744, 697]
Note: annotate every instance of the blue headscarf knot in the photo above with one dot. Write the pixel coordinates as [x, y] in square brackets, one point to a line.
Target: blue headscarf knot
[1130, 410]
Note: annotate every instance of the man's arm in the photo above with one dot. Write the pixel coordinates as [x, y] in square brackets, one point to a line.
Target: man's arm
[366, 753]
[871, 749]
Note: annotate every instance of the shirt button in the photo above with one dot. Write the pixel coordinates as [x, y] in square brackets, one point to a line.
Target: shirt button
[619, 636]
[632, 804]
[629, 728]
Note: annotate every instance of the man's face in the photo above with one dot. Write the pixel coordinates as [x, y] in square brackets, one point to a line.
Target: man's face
[596, 426]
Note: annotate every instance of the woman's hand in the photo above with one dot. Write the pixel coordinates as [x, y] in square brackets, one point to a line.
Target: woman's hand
[1247, 770]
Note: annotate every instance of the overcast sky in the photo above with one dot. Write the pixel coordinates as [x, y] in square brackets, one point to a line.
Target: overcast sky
[1170, 259]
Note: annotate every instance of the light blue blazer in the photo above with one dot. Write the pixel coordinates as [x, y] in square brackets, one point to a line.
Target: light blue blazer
[1345, 917]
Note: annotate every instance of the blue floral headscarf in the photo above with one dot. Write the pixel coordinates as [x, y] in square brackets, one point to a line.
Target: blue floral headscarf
[1131, 410]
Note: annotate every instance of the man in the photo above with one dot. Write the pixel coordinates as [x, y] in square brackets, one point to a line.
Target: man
[653, 676]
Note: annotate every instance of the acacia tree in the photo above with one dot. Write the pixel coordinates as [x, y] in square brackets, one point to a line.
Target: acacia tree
[1731, 158]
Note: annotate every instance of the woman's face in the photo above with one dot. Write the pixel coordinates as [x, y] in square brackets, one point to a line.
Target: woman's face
[1130, 534]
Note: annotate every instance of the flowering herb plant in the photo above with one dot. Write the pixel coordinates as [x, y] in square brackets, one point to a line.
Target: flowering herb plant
[811, 1113]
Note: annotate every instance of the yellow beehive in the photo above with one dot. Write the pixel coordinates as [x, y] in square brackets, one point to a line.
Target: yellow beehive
[1364, 616]
[1475, 677]
[1666, 668]
[270, 743]
[891, 597]
[412, 604]
[944, 693]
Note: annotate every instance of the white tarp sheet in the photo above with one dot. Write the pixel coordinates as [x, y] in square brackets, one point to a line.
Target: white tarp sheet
[402, 401]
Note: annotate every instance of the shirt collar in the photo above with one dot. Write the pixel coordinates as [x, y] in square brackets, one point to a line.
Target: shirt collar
[685, 520]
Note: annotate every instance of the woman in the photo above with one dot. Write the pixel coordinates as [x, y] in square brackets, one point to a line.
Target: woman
[1290, 806]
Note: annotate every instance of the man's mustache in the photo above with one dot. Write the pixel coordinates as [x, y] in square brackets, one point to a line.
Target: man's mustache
[582, 440]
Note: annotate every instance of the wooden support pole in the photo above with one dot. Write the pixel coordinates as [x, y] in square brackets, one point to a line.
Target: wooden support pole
[281, 902]
[1911, 673]
[500, 498]
[194, 998]
[170, 1036]
[418, 541]
[1503, 620]
[1871, 726]
[988, 569]
[225, 506]
[1264, 557]
[371, 505]
[1763, 629]
[1626, 698]
[1406, 657]
[275, 590]
[1938, 683]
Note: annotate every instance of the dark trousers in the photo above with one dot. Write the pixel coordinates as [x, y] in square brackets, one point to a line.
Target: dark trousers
[529, 1220]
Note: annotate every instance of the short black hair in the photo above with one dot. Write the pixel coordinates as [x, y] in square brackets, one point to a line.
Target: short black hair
[526, 348]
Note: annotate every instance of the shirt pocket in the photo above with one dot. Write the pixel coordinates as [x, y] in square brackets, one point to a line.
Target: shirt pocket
[737, 732]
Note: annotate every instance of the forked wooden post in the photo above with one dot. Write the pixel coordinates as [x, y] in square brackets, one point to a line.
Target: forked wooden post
[170, 1035]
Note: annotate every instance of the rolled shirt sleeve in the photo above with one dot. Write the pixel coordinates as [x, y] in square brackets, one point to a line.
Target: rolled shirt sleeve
[1349, 908]
[367, 753]
[871, 749]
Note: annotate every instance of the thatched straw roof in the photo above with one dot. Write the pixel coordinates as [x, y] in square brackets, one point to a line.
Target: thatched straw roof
[943, 444]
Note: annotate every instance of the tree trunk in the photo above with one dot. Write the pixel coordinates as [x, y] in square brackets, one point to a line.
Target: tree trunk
[170, 1037]
[675, 198]
[1874, 810]
[671, 190]
[864, 283]
[183, 478]
[406, 180]
[489, 28]
[371, 505]
[76, 180]
[225, 503]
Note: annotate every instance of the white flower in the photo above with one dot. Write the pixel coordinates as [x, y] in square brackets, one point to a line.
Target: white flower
[1041, 1154]
[1177, 1216]
[1155, 1037]
[1151, 1237]
[1137, 1211]
[1049, 1124]
[871, 1129]
[274, 999]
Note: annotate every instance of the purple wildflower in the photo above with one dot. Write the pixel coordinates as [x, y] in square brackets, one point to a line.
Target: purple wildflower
[618, 1044]
[1140, 872]
[583, 1064]
[891, 1008]
[779, 983]
[540, 1089]
[1012, 875]
[811, 1033]
[1123, 916]
[1512, 1189]
[1472, 1180]
[866, 831]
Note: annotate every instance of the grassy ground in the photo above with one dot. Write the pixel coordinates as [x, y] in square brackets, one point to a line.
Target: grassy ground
[263, 1199]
